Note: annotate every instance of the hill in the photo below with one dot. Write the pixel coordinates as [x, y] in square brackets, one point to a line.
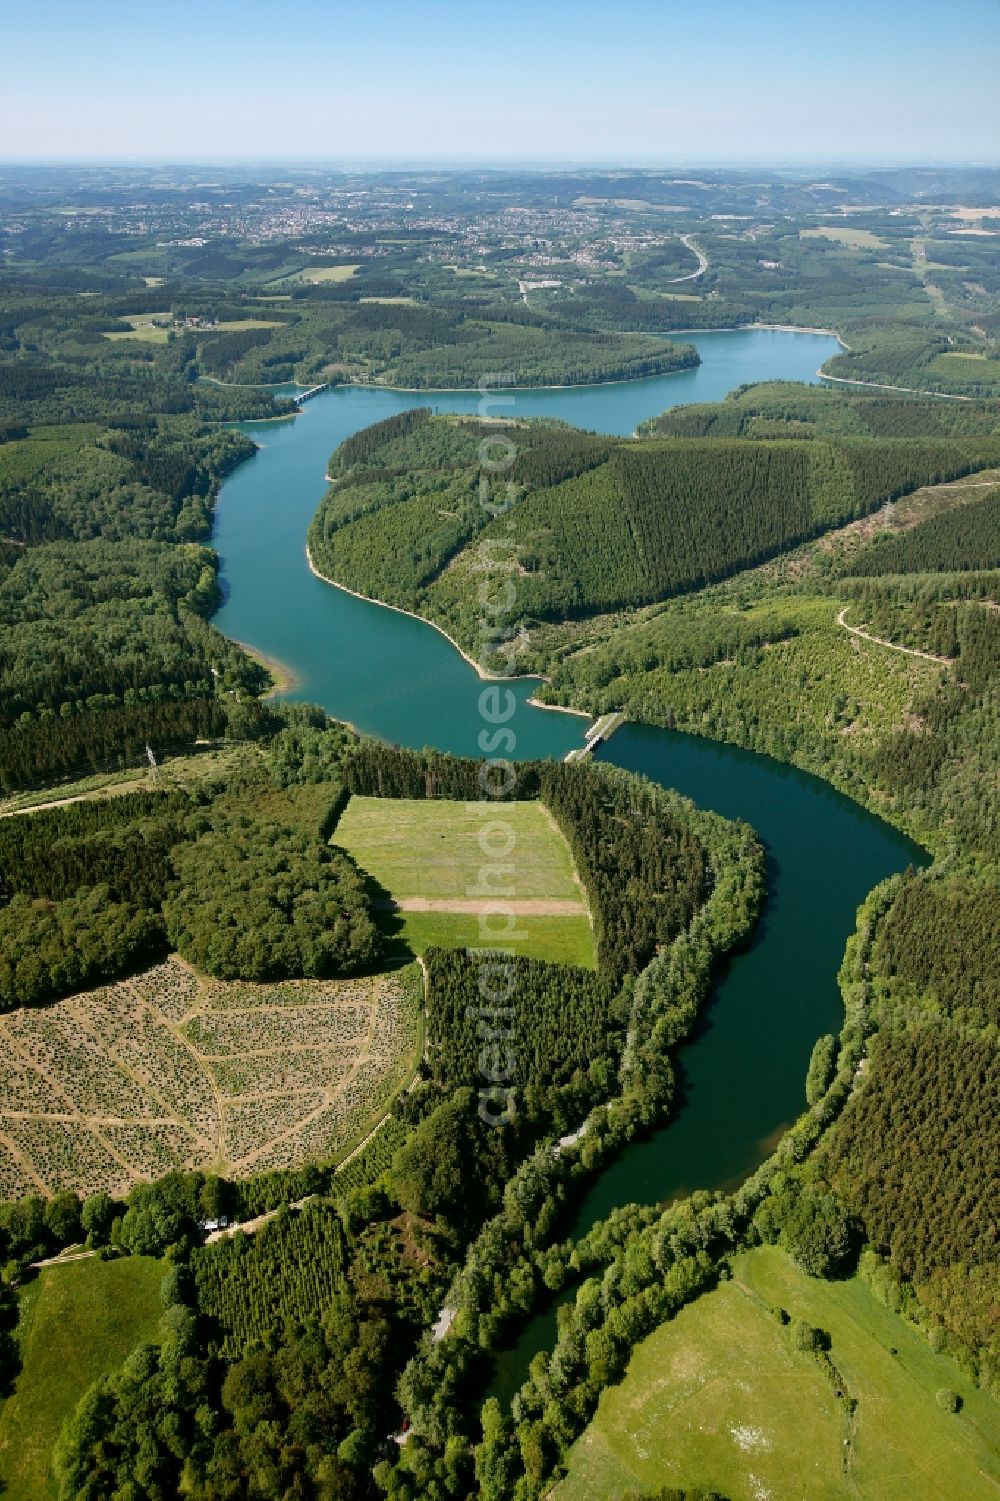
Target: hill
[590, 524]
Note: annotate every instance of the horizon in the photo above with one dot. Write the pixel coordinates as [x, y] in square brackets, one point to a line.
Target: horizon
[807, 166]
[567, 84]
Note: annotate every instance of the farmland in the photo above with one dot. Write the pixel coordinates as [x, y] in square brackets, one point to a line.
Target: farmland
[856, 239]
[77, 1323]
[169, 1070]
[154, 328]
[749, 1413]
[438, 862]
[325, 274]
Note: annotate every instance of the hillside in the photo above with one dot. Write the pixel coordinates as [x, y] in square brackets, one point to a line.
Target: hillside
[591, 524]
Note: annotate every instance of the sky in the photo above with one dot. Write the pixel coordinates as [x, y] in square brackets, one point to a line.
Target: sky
[818, 81]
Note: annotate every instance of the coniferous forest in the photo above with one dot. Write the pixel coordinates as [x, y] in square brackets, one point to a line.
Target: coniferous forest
[809, 572]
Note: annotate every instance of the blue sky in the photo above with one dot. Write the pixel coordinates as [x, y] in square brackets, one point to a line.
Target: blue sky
[707, 80]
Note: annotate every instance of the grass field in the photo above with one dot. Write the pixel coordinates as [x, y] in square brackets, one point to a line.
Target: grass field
[857, 239]
[720, 1397]
[326, 273]
[966, 365]
[442, 852]
[559, 940]
[144, 328]
[78, 1323]
[169, 1070]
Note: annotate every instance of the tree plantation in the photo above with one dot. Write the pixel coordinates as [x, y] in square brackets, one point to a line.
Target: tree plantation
[596, 526]
[341, 1156]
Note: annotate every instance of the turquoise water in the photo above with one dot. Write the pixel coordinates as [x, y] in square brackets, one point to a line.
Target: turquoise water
[385, 673]
[741, 1078]
[394, 676]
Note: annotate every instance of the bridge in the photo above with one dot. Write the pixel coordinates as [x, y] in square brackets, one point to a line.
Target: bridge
[601, 729]
[312, 391]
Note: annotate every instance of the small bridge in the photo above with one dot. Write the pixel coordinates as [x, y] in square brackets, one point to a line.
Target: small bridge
[601, 729]
[312, 391]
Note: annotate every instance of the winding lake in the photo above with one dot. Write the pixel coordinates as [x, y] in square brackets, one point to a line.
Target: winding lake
[394, 676]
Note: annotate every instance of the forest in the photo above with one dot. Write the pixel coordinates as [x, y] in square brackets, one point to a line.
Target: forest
[596, 525]
[267, 1370]
[704, 577]
[93, 889]
[762, 661]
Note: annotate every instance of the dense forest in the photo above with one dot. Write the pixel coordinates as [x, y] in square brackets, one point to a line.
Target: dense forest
[707, 576]
[94, 888]
[921, 1130]
[278, 1354]
[595, 525]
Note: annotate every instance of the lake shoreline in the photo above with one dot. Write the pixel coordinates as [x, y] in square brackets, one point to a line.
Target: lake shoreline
[486, 677]
[596, 385]
[285, 678]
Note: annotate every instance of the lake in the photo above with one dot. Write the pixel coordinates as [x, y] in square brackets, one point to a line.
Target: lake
[391, 675]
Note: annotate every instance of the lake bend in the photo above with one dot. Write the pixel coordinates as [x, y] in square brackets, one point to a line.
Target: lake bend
[392, 675]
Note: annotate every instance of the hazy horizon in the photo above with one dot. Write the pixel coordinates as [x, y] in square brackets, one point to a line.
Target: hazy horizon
[563, 84]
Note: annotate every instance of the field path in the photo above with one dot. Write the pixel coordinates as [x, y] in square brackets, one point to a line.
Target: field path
[539, 906]
[909, 651]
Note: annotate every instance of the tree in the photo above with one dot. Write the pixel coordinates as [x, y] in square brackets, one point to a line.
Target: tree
[96, 1216]
[63, 1219]
[495, 1459]
[433, 1170]
[820, 1071]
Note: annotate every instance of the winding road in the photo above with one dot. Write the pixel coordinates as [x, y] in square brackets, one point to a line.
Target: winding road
[702, 262]
[908, 651]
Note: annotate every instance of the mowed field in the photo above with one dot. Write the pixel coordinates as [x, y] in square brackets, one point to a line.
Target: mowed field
[168, 1069]
[447, 867]
[858, 239]
[314, 274]
[77, 1323]
[719, 1397]
[150, 332]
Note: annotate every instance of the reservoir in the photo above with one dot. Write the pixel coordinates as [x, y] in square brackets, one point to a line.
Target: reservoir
[394, 676]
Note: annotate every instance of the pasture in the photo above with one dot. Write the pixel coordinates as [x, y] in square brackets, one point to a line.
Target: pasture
[77, 1323]
[168, 1069]
[320, 274]
[855, 239]
[443, 866]
[150, 328]
[153, 328]
[721, 1397]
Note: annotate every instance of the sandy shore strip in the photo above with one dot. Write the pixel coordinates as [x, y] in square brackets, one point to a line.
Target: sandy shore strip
[285, 680]
[487, 677]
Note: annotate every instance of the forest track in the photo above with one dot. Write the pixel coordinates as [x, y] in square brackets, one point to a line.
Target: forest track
[908, 651]
[475, 906]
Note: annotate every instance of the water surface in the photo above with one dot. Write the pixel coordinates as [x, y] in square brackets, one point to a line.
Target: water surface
[395, 676]
[386, 673]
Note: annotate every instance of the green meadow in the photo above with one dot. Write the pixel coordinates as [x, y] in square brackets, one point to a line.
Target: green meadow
[446, 853]
[720, 1396]
[78, 1322]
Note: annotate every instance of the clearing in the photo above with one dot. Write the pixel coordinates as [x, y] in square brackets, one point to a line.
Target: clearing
[450, 871]
[314, 274]
[721, 1397]
[857, 239]
[77, 1323]
[153, 328]
[169, 1069]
